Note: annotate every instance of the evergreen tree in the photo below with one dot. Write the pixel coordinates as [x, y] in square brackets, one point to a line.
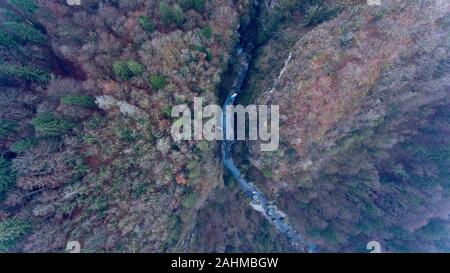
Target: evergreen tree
[157, 81]
[171, 15]
[11, 231]
[7, 127]
[7, 175]
[146, 24]
[50, 125]
[79, 100]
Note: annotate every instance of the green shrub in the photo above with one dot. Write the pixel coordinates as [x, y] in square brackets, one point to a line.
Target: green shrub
[165, 13]
[11, 231]
[171, 15]
[135, 68]
[197, 5]
[121, 71]
[28, 6]
[189, 199]
[178, 15]
[267, 172]
[167, 111]
[157, 81]
[7, 175]
[206, 32]
[24, 33]
[127, 70]
[146, 24]
[7, 127]
[50, 125]
[23, 145]
[28, 73]
[79, 100]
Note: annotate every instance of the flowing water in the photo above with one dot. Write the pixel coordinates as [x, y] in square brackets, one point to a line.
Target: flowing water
[281, 73]
[257, 199]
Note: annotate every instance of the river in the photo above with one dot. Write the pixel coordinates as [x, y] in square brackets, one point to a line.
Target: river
[258, 200]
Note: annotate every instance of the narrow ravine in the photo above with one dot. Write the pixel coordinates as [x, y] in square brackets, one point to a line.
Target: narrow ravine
[258, 200]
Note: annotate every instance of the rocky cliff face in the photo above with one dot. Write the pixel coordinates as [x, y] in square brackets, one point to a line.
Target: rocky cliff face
[364, 104]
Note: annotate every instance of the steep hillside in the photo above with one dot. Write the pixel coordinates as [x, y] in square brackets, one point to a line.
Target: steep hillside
[364, 103]
[86, 94]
